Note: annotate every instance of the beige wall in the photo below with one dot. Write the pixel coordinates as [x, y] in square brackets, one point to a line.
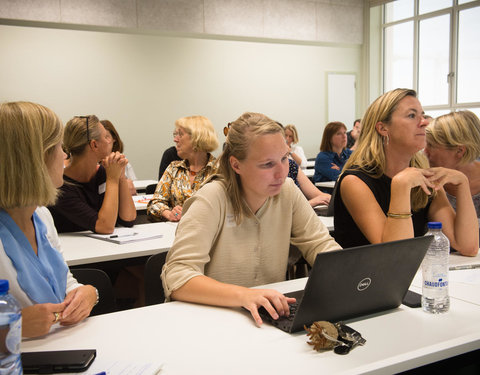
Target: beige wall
[143, 83]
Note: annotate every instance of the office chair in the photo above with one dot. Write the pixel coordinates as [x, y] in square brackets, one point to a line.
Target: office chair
[153, 284]
[150, 189]
[100, 280]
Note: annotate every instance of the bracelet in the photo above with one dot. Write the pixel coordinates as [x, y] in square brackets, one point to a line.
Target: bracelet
[399, 216]
[98, 297]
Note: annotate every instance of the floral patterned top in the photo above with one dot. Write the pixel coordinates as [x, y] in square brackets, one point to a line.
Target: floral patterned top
[174, 187]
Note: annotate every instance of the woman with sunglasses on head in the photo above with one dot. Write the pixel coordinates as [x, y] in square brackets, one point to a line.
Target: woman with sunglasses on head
[237, 229]
[96, 194]
[195, 139]
[31, 168]
[387, 192]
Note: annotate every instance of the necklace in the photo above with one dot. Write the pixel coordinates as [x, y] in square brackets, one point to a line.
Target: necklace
[192, 172]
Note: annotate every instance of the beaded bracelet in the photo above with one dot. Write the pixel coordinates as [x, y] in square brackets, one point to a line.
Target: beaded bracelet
[399, 216]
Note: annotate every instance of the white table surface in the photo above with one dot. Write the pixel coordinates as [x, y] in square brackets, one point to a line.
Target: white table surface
[327, 221]
[196, 339]
[310, 164]
[309, 172]
[326, 184]
[142, 184]
[140, 201]
[80, 249]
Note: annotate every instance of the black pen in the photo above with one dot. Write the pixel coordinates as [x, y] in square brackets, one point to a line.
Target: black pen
[123, 235]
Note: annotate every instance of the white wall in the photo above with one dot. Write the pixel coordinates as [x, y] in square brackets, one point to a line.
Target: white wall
[142, 83]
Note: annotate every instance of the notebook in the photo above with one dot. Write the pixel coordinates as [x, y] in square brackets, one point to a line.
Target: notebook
[345, 284]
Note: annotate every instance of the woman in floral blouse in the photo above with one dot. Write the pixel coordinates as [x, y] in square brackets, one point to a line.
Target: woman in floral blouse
[195, 139]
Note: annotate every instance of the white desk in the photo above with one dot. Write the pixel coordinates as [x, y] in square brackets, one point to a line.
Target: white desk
[327, 221]
[141, 201]
[309, 172]
[196, 339]
[140, 185]
[80, 249]
[326, 184]
[310, 164]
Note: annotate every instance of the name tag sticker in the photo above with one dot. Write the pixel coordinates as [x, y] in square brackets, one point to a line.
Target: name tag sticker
[101, 188]
[230, 221]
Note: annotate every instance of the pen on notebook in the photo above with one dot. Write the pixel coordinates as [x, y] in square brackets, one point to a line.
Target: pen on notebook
[123, 235]
[464, 267]
[101, 373]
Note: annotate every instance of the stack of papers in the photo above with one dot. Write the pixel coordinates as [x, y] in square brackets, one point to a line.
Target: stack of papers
[125, 235]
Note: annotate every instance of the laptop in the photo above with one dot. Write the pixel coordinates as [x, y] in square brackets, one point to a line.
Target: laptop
[349, 283]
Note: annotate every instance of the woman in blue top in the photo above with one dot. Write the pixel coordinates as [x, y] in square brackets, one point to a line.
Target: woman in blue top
[333, 152]
[31, 170]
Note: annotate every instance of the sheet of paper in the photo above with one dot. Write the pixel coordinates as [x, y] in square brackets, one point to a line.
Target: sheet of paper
[465, 276]
[125, 235]
[122, 368]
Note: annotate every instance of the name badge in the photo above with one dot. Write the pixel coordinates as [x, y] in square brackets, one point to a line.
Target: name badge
[230, 221]
[101, 188]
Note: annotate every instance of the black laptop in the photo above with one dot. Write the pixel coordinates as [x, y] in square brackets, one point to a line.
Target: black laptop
[345, 284]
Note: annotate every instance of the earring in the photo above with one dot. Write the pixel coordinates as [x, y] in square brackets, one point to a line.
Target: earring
[386, 140]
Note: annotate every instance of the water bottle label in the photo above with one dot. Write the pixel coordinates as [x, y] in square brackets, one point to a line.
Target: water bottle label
[14, 336]
[440, 283]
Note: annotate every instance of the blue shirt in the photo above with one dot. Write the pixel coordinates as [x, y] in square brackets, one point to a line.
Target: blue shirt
[324, 162]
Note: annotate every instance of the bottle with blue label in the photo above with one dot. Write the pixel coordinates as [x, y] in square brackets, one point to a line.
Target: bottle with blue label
[435, 297]
[10, 332]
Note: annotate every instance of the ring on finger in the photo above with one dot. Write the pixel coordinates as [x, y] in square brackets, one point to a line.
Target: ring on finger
[57, 317]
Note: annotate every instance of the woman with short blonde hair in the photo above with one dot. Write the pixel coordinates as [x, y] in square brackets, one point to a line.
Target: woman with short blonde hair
[296, 151]
[31, 168]
[387, 192]
[453, 141]
[195, 139]
[236, 230]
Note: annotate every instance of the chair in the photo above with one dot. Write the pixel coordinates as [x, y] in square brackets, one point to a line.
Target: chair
[150, 189]
[153, 284]
[100, 280]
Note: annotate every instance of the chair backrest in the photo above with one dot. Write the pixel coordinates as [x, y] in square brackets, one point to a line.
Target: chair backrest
[150, 189]
[153, 284]
[100, 280]
[330, 210]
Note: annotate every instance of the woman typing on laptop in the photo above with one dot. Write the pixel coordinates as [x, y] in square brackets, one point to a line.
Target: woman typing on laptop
[236, 231]
[387, 192]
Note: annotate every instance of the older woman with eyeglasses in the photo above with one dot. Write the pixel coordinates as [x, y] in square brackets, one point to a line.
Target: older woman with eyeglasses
[95, 195]
[195, 139]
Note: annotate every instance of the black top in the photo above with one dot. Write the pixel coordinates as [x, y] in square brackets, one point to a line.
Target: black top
[347, 233]
[78, 204]
[169, 155]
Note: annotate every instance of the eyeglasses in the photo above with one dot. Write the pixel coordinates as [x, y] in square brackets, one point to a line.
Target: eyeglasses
[88, 132]
[178, 134]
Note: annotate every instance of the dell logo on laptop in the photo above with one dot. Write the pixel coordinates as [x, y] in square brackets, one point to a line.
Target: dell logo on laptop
[364, 284]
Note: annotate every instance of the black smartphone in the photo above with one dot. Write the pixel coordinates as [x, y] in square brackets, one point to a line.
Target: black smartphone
[51, 362]
[412, 299]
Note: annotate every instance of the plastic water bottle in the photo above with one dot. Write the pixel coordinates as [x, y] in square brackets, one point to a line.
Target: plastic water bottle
[435, 297]
[10, 332]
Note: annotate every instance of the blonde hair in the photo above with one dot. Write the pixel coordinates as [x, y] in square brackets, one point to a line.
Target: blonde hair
[29, 133]
[369, 156]
[77, 136]
[293, 129]
[201, 132]
[460, 128]
[241, 134]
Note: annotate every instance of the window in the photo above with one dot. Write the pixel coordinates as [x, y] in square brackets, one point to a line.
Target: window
[432, 46]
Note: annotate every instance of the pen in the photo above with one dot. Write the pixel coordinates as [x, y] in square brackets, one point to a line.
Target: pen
[123, 235]
[102, 373]
[465, 267]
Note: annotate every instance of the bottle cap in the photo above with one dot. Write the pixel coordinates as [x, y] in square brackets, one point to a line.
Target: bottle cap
[4, 286]
[434, 225]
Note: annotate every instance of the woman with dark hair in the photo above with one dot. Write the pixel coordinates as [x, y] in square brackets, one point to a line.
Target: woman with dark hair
[236, 230]
[333, 152]
[387, 192]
